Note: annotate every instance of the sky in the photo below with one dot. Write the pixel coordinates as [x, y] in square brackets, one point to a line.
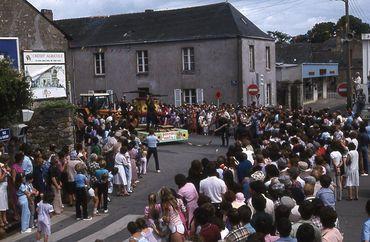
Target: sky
[290, 16]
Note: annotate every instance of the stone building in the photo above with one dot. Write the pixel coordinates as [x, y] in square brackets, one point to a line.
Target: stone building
[330, 51]
[300, 84]
[34, 31]
[187, 54]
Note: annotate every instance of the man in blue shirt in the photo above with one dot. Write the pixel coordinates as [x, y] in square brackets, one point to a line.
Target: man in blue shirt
[244, 166]
[152, 141]
[80, 193]
[365, 235]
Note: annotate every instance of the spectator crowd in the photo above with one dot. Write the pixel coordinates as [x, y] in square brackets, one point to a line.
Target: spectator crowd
[279, 181]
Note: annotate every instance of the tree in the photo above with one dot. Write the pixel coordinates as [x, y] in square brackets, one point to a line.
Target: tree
[321, 32]
[300, 38]
[280, 37]
[355, 25]
[15, 93]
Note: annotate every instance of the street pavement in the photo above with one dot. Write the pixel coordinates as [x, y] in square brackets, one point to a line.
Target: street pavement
[174, 159]
[334, 104]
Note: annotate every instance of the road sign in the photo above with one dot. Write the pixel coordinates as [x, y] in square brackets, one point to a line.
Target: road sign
[253, 90]
[342, 89]
[4, 134]
[218, 95]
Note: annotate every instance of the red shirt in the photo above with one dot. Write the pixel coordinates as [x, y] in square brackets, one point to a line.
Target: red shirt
[210, 233]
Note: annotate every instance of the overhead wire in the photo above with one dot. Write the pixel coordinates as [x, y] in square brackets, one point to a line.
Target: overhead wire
[354, 9]
[362, 13]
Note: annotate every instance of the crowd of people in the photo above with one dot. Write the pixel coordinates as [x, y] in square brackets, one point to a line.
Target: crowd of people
[37, 183]
[280, 181]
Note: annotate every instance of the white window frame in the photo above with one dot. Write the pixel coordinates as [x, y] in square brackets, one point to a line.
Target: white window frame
[268, 58]
[191, 93]
[252, 63]
[99, 59]
[144, 66]
[200, 96]
[187, 55]
[178, 97]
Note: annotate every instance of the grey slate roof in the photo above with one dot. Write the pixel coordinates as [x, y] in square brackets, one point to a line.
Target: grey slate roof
[213, 21]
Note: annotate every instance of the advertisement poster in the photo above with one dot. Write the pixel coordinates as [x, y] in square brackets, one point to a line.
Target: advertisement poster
[46, 73]
[9, 49]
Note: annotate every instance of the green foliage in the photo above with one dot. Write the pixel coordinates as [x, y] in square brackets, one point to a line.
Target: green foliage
[355, 25]
[322, 32]
[56, 104]
[280, 37]
[15, 93]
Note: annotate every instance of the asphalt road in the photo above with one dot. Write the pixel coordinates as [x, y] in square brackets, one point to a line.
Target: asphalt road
[174, 158]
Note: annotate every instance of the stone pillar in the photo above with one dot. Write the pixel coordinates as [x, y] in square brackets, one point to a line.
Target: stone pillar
[301, 98]
[325, 88]
[289, 96]
[315, 89]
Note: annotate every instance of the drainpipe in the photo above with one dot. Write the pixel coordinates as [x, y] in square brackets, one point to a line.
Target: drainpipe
[74, 77]
[239, 55]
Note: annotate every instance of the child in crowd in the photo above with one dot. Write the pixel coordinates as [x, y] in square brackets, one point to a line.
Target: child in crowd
[325, 194]
[102, 176]
[23, 196]
[142, 153]
[135, 232]
[152, 205]
[146, 231]
[31, 199]
[44, 211]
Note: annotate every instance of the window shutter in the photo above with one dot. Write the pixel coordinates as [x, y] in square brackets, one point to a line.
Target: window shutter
[177, 95]
[199, 95]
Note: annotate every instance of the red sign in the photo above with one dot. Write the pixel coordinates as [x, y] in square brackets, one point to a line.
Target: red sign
[342, 89]
[218, 95]
[253, 90]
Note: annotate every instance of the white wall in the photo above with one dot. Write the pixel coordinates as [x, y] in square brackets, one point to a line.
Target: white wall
[366, 63]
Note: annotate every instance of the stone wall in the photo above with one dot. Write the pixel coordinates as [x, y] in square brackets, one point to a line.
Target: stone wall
[51, 126]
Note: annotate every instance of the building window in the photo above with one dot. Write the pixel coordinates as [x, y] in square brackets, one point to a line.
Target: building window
[251, 58]
[143, 91]
[190, 96]
[269, 94]
[188, 63]
[99, 64]
[268, 59]
[142, 61]
[322, 72]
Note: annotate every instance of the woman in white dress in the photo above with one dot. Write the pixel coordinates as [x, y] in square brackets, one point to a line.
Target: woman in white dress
[3, 194]
[120, 178]
[352, 173]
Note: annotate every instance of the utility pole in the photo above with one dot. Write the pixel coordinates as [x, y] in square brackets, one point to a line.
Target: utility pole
[348, 57]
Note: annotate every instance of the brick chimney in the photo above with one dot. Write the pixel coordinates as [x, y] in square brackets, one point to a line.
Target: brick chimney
[47, 13]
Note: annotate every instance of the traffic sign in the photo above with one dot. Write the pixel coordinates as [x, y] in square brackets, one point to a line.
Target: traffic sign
[342, 89]
[218, 95]
[4, 134]
[253, 90]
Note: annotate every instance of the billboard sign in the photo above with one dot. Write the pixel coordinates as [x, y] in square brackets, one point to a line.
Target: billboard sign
[9, 49]
[46, 72]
